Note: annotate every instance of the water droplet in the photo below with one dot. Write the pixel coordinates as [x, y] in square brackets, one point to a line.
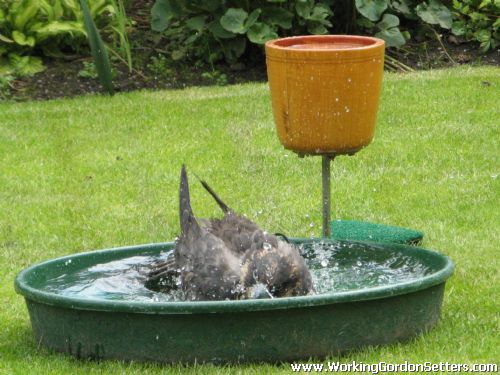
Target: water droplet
[324, 263]
[311, 225]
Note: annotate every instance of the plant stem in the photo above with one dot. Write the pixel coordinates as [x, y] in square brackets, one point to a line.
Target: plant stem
[398, 65]
[438, 37]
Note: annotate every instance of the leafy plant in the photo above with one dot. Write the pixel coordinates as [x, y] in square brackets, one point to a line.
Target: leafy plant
[99, 52]
[5, 85]
[435, 13]
[88, 71]
[382, 17]
[120, 31]
[160, 66]
[53, 27]
[478, 20]
[20, 66]
[215, 76]
[49, 25]
[216, 29]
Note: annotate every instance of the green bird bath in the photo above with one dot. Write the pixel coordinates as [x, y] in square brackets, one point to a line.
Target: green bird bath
[94, 305]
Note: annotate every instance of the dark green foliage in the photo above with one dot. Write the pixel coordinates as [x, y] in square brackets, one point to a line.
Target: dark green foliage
[30, 28]
[216, 29]
[371, 9]
[101, 59]
[47, 25]
[478, 20]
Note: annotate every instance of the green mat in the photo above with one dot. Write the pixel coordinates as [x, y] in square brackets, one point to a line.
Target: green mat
[364, 231]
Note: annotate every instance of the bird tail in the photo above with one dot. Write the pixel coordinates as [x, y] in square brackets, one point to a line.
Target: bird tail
[185, 211]
[224, 207]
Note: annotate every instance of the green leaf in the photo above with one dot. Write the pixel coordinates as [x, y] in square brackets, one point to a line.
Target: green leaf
[278, 16]
[60, 27]
[320, 13]
[22, 39]
[260, 33]
[371, 9]
[162, 13]
[388, 21]
[478, 17]
[252, 18]
[47, 9]
[458, 28]
[25, 65]
[191, 39]
[390, 32]
[234, 20]
[101, 59]
[365, 23]
[26, 14]
[435, 13]
[218, 31]
[484, 38]
[392, 37]
[484, 3]
[233, 49]
[5, 39]
[304, 8]
[403, 7]
[196, 23]
[496, 24]
[316, 28]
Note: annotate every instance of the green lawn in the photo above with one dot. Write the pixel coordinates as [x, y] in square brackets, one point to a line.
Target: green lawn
[97, 172]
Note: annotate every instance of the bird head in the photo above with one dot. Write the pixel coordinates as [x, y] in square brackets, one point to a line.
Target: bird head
[275, 270]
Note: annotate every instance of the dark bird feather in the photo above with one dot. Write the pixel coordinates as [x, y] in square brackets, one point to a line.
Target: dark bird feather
[230, 258]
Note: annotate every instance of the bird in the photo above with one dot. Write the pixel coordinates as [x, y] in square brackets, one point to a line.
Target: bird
[229, 258]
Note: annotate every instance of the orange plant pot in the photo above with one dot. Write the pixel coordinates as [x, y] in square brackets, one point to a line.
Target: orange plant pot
[325, 91]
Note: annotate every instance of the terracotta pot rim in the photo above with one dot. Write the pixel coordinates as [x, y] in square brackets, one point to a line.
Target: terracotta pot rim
[365, 43]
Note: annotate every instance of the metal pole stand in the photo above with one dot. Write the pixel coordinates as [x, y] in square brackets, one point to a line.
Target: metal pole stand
[325, 169]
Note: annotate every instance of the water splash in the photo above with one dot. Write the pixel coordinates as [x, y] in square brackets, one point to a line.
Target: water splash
[334, 266]
[344, 266]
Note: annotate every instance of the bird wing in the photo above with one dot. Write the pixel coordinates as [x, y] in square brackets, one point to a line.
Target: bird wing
[238, 232]
[209, 270]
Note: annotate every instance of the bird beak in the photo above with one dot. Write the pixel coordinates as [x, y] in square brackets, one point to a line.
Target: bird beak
[258, 291]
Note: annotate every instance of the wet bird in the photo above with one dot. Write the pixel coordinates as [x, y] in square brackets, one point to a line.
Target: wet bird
[230, 258]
